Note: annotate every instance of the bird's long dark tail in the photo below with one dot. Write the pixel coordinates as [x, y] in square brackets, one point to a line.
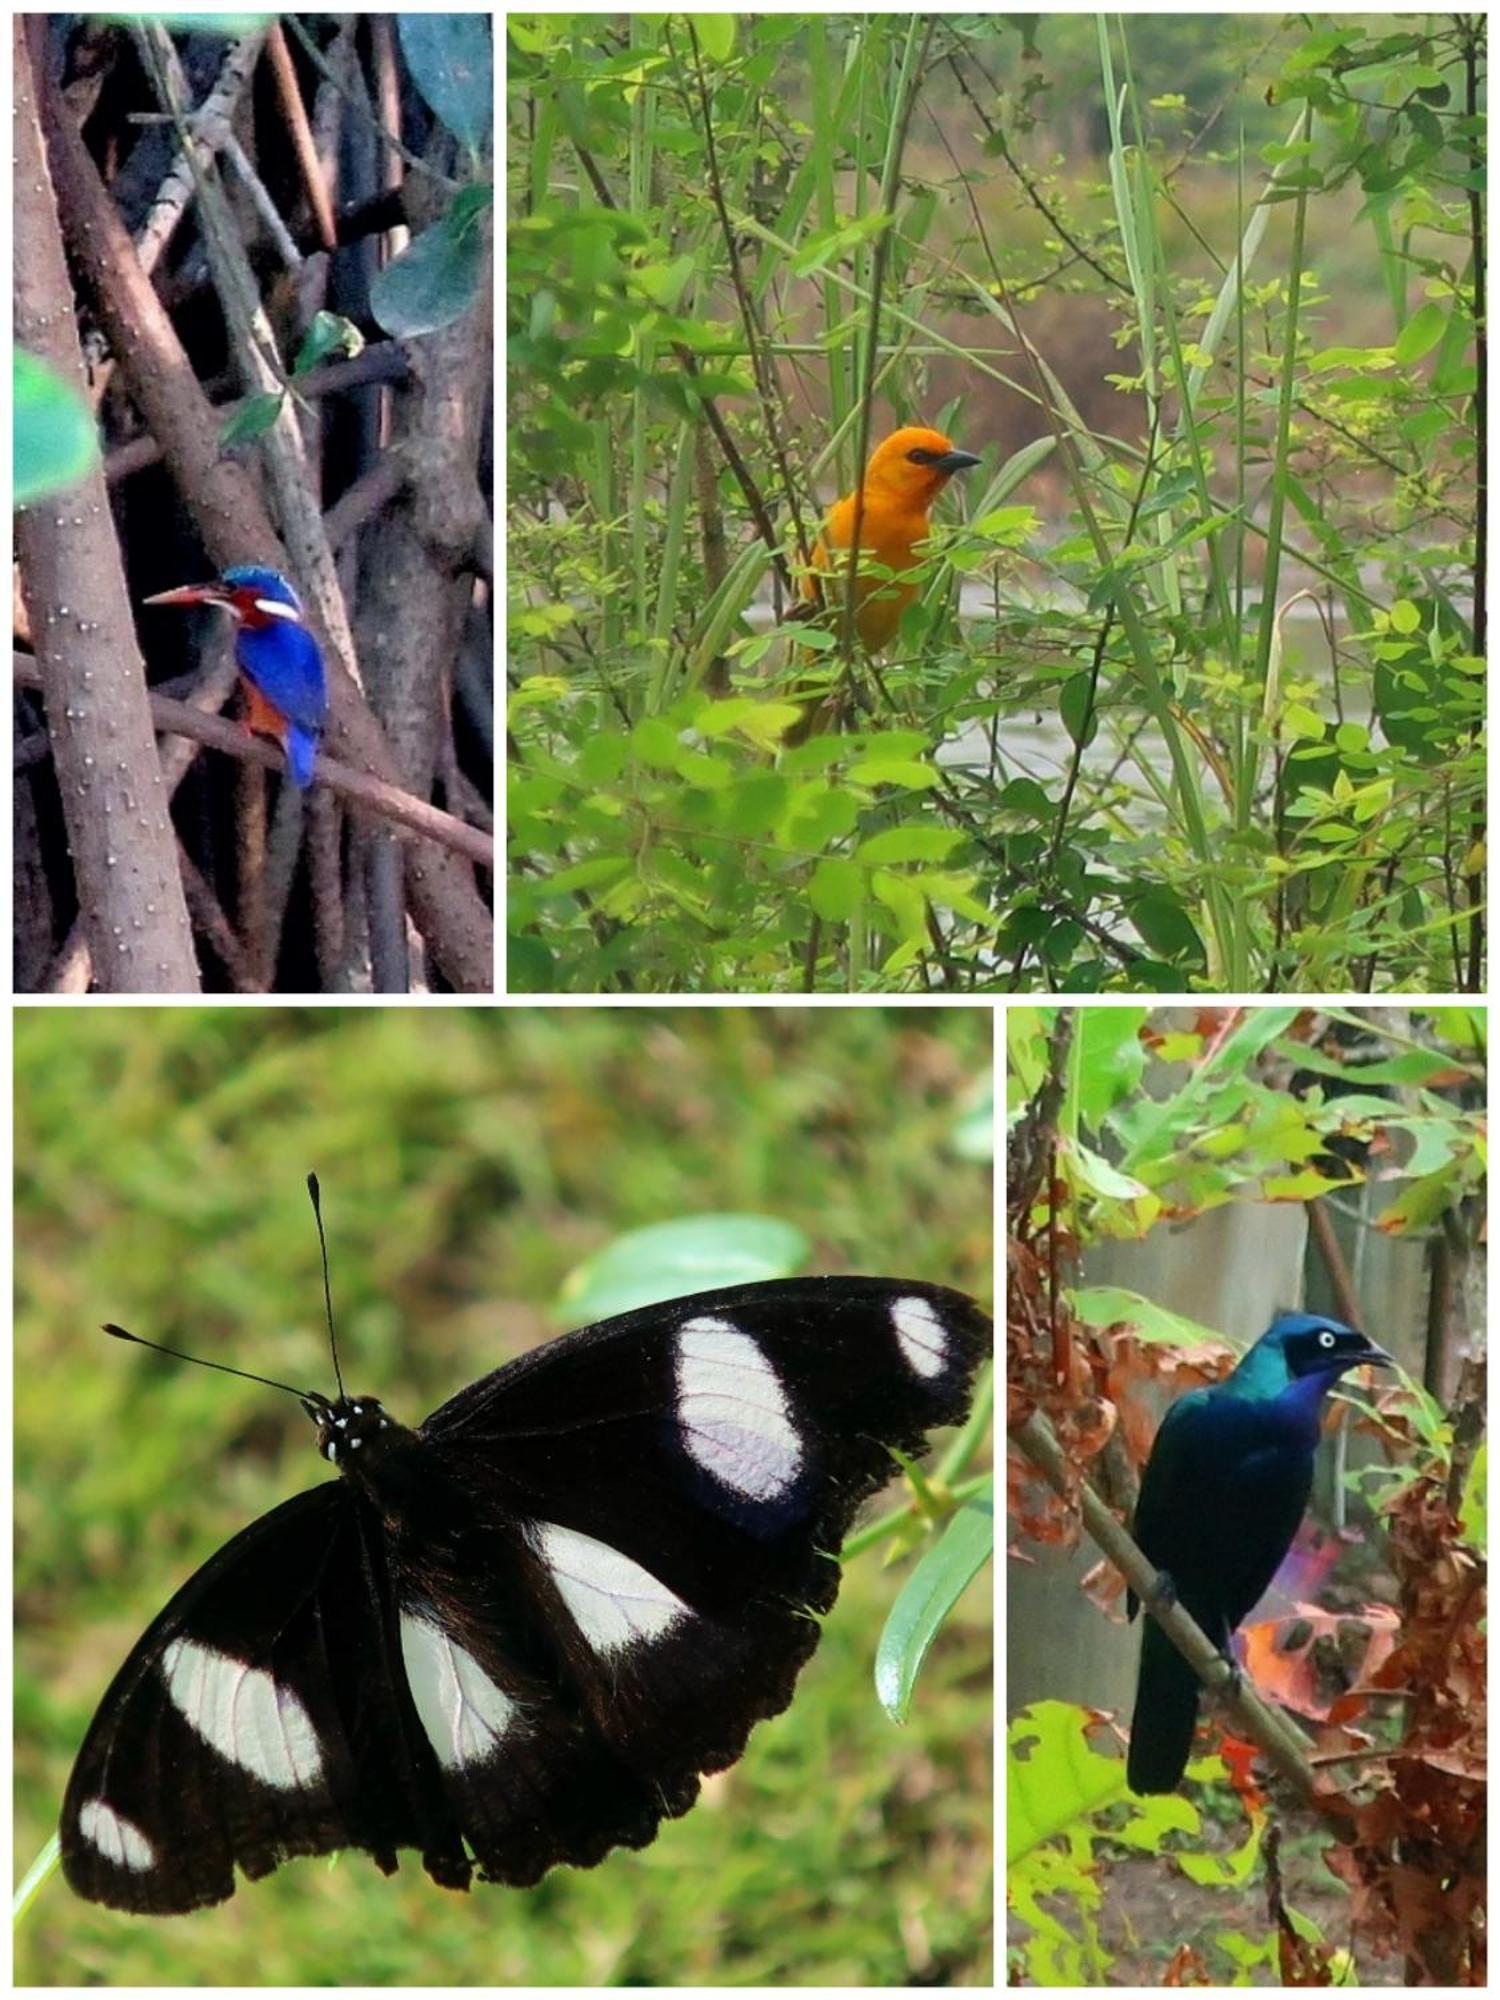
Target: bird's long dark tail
[1166, 1712]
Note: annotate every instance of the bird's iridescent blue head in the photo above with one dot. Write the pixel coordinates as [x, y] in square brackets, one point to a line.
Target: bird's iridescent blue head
[1305, 1344]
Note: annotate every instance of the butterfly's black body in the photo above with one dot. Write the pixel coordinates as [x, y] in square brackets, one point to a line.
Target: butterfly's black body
[519, 1634]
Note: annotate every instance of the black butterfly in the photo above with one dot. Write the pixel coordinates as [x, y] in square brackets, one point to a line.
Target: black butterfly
[519, 1634]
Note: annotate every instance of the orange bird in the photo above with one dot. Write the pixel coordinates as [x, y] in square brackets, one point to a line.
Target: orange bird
[905, 475]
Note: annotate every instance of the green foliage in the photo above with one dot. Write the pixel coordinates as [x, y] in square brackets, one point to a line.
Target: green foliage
[329, 334]
[1211, 718]
[471, 1160]
[1170, 1124]
[1056, 1787]
[1474, 1504]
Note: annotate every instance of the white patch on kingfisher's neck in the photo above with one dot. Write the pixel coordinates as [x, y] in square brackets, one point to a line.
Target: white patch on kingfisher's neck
[268, 607]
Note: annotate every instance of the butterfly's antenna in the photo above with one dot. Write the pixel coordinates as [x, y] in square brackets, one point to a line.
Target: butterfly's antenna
[265, 1381]
[312, 1189]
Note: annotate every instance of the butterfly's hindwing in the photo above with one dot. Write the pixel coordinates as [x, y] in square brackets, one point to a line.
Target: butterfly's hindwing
[257, 1720]
[519, 1635]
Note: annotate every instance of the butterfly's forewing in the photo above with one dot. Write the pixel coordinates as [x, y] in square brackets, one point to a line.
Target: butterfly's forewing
[533, 1623]
[689, 1472]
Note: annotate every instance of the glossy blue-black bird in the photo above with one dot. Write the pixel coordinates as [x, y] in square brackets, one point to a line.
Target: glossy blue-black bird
[1224, 1492]
[277, 655]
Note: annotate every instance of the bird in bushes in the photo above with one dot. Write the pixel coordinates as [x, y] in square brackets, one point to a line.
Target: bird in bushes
[1224, 1492]
[893, 504]
[277, 656]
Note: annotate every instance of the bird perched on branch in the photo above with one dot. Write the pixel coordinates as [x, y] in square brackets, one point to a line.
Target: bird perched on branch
[893, 503]
[277, 656]
[1224, 1492]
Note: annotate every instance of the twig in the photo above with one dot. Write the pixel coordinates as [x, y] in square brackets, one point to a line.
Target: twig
[408, 818]
[209, 919]
[302, 140]
[383, 361]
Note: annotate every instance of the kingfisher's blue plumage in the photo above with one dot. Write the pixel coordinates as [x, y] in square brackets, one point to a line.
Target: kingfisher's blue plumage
[1224, 1492]
[277, 655]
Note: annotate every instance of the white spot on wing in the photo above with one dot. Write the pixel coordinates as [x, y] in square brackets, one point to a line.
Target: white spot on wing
[733, 1410]
[271, 607]
[464, 1713]
[118, 1839]
[242, 1714]
[922, 1335]
[612, 1600]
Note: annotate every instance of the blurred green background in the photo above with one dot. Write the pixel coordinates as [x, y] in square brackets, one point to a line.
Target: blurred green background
[470, 1160]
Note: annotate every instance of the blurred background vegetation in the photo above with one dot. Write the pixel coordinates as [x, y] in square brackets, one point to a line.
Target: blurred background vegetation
[470, 1161]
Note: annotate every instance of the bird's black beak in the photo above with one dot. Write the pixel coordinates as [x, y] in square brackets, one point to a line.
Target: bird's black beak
[954, 461]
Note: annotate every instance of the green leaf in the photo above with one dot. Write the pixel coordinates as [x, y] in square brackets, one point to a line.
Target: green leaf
[830, 245]
[1473, 1506]
[434, 281]
[927, 1597]
[973, 1135]
[905, 902]
[330, 333]
[1075, 707]
[451, 60]
[252, 419]
[817, 816]
[594, 873]
[670, 1260]
[1114, 1305]
[762, 723]
[1298, 721]
[229, 25]
[1055, 1779]
[907, 775]
[1421, 333]
[1111, 1059]
[1011, 527]
[1166, 926]
[55, 440]
[1424, 1201]
[715, 34]
[837, 889]
[910, 843]
[529, 966]
[602, 758]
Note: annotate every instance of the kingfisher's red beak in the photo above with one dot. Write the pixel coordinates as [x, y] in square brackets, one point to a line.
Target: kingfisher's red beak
[192, 593]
